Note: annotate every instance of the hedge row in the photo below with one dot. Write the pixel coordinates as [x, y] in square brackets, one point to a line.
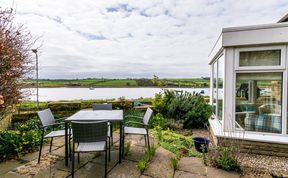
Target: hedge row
[67, 108]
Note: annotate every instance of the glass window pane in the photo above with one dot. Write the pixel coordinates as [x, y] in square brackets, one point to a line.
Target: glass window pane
[259, 101]
[214, 88]
[260, 58]
[220, 86]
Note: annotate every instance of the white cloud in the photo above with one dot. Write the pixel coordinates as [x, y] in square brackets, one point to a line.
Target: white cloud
[128, 38]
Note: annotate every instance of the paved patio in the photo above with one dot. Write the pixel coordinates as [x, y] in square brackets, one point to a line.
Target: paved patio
[91, 164]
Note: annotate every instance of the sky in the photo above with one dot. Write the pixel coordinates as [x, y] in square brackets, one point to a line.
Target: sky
[134, 38]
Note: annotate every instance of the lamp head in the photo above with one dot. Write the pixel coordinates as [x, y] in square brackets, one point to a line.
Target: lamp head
[34, 51]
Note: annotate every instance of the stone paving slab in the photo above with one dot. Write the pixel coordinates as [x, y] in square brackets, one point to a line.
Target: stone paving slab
[90, 170]
[9, 165]
[12, 175]
[183, 174]
[32, 168]
[101, 159]
[34, 155]
[192, 165]
[127, 169]
[145, 176]
[136, 153]
[84, 158]
[160, 165]
[219, 173]
[57, 142]
[52, 172]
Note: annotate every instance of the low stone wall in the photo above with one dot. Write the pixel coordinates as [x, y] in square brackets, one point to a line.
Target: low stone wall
[5, 121]
[255, 147]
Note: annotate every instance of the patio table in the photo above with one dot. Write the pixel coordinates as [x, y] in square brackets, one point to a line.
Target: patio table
[95, 115]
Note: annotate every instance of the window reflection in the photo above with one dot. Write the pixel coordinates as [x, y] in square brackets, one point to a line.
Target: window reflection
[260, 58]
[258, 101]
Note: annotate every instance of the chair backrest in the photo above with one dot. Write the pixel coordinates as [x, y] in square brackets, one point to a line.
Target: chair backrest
[89, 131]
[46, 117]
[97, 106]
[147, 116]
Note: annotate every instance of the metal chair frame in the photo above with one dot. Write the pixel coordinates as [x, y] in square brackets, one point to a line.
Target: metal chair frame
[143, 124]
[105, 106]
[93, 133]
[47, 120]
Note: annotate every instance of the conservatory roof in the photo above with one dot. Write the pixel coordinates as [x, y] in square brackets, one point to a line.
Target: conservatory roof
[274, 33]
[283, 19]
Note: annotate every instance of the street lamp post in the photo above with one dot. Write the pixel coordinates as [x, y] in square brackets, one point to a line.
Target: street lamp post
[37, 95]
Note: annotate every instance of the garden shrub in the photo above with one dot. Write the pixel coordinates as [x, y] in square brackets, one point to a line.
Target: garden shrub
[190, 108]
[9, 144]
[25, 137]
[223, 157]
[158, 121]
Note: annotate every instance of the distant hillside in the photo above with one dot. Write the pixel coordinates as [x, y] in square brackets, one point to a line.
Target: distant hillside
[144, 82]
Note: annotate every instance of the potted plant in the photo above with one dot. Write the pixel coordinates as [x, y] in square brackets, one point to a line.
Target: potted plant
[201, 144]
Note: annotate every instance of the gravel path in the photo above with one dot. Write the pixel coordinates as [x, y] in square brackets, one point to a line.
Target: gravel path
[262, 165]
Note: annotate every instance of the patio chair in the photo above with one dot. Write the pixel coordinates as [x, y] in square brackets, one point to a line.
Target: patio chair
[142, 130]
[97, 106]
[47, 120]
[91, 137]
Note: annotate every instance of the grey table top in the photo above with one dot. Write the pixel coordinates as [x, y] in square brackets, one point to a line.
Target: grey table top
[95, 115]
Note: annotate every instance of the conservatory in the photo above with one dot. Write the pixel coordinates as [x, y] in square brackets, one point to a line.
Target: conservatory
[248, 85]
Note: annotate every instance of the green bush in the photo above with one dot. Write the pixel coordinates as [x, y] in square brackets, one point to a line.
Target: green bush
[9, 144]
[158, 121]
[25, 137]
[190, 108]
[223, 157]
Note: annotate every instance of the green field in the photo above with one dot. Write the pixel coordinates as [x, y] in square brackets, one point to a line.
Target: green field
[189, 82]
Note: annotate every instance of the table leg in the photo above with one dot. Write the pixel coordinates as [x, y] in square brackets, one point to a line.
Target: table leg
[66, 143]
[121, 142]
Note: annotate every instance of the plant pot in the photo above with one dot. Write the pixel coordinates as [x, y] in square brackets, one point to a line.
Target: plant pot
[201, 144]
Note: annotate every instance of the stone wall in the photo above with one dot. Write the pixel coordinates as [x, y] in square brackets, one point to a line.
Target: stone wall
[5, 121]
[255, 147]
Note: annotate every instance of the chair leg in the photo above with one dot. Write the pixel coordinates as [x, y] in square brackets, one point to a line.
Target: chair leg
[123, 146]
[51, 141]
[111, 132]
[109, 158]
[73, 149]
[78, 155]
[145, 140]
[148, 140]
[69, 143]
[106, 160]
[41, 144]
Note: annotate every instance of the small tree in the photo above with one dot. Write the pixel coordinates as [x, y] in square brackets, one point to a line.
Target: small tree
[15, 57]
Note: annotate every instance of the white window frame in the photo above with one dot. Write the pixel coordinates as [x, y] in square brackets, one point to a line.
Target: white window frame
[260, 69]
[282, 65]
[215, 70]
